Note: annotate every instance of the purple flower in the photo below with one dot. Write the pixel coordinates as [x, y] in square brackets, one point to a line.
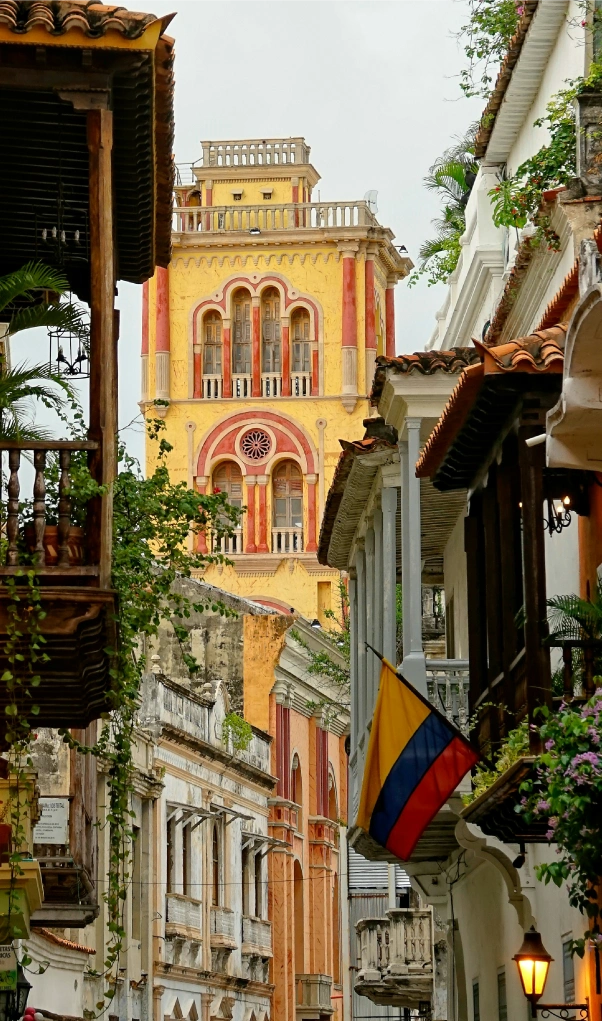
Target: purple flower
[550, 744]
[542, 806]
[550, 835]
[594, 734]
[589, 758]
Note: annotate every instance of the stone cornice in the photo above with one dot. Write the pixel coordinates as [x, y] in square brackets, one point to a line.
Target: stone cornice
[217, 979]
[214, 754]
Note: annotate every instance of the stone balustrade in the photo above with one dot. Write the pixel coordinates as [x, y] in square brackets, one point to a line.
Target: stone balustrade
[183, 915]
[257, 936]
[447, 685]
[229, 544]
[269, 217]
[287, 540]
[249, 152]
[271, 384]
[396, 959]
[212, 386]
[314, 992]
[241, 386]
[301, 384]
[222, 925]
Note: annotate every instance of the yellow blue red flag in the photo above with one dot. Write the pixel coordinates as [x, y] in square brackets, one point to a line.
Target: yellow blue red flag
[415, 760]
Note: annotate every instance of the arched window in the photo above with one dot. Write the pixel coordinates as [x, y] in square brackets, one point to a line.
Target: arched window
[296, 781]
[258, 885]
[299, 919]
[287, 488]
[270, 331]
[241, 333]
[301, 349]
[215, 869]
[227, 478]
[212, 344]
[333, 812]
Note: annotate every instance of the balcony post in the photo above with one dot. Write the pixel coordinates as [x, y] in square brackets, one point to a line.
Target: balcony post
[389, 512]
[371, 659]
[360, 565]
[262, 484]
[369, 315]
[311, 546]
[197, 371]
[256, 347]
[378, 600]
[286, 356]
[103, 357]
[208, 202]
[413, 665]
[226, 359]
[250, 481]
[353, 680]
[390, 316]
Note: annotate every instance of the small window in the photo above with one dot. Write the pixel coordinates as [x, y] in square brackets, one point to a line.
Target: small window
[136, 883]
[227, 478]
[502, 1005]
[270, 357]
[258, 886]
[241, 327]
[212, 352]
[215, 872]
[301, 360]
[476, 1006]
[186, 861]
[568, 972]
[288, 496]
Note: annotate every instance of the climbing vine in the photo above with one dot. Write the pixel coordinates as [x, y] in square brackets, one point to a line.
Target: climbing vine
[486, 37]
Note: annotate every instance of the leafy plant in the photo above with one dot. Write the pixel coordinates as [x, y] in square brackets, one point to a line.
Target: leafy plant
[237, 731]
[451, 176]
[573, 619]
[515, 746]
[21, 385]
[487, 35]
[567, 792]
[30, 297]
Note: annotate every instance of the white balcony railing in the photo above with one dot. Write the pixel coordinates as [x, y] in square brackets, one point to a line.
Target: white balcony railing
[287, 540]
[447, 686]
[228, 544]
[269, 217]
[255, 152]
[183, 912]
[222, 925]
[396, 958]
[271, 385]
[242, 386]
[256, 936]
[301, 384]
[212, 386]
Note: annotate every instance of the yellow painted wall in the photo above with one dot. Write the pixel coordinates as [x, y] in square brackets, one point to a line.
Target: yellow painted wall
[263, 639]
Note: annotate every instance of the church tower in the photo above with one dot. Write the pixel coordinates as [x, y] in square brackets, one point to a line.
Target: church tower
[262, 337]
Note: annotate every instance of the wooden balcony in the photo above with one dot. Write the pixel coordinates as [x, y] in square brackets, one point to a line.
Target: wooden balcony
[396, 959]
[64, 546]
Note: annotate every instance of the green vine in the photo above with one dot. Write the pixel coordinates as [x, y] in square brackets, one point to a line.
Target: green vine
[487, 35]
[236, 730]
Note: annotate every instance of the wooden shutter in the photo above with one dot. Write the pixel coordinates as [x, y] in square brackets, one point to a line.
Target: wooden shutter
[242, 337]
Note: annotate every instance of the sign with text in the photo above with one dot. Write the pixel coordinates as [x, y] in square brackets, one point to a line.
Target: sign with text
[8, 968]
[53, 825]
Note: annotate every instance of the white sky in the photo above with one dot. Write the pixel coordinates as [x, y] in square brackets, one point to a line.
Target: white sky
[372, 86]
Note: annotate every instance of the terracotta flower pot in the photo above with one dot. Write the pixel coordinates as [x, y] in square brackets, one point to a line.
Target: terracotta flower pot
[51, 544]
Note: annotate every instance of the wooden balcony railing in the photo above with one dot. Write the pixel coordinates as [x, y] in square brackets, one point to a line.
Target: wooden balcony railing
[28, 541]
[269, 217]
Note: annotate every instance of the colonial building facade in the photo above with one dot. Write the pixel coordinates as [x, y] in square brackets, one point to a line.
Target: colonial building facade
[259, 344]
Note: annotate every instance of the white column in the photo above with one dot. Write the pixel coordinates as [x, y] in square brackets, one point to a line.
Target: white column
[371, 659]
[353, 679]
[413, 664]
[360, 566]
[378, 599]
[389, 512]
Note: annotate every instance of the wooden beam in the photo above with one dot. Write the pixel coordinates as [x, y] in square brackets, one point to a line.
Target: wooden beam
[537, 653]
[103, 382]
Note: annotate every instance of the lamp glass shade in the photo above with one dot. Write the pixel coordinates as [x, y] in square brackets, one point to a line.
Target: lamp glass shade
[533, 961]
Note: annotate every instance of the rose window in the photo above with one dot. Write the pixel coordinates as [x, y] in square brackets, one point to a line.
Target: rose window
[256, 444]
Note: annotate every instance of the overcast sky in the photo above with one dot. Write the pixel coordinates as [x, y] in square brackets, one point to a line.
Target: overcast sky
[371, 85]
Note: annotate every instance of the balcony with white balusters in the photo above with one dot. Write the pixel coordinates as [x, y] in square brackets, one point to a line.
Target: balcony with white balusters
[396, 959]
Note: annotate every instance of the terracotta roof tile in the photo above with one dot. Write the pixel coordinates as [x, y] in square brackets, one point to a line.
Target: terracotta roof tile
[558, 307]
[424, 363]
[540, 352]
[60, 16]
[503, 79]
[525, 253]
[62, 942]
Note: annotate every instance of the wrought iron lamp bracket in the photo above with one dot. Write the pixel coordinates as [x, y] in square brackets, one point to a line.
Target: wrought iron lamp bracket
[563, 1011]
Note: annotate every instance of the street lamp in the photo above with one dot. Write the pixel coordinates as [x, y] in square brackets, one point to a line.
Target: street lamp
[533, 962]
[14, 1001]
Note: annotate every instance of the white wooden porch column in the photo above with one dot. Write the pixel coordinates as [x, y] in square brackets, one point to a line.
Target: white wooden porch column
[360, 566]
[413, 663]
[353, 679]
[370, 622]
[377, 630]
[389, 513]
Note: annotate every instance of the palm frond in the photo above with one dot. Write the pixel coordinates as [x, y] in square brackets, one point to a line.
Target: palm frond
[63, 315]
[26, 282]
[571, 618]
[20, 386]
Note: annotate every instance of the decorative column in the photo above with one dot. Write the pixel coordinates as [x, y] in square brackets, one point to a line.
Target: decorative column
[197, 363]
[377, 631]
[201, 485]
[286, 356]
[321, 424]
[371, 659]
[262, 485]
[256, 348]
[390, 316]
[389, 513]
[250, 481]
[283, 745]
[349, 327]
[144, 350]
[370, 315]
[295, 184]
[413, 664]
[226, 359]
[208, 202]
[311, 545]
[162, 339]
[315, 363]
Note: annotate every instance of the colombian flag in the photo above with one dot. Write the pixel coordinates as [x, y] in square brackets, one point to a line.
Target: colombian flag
[415, 760]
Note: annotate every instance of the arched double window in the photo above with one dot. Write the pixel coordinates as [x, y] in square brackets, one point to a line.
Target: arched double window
[271, 348]
[241, 333]
[300, 343]
[287, 508]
